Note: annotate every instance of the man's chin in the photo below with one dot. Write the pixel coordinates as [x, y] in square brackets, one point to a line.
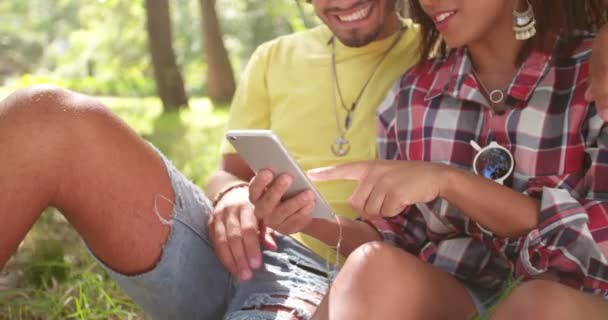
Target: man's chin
[356, 39]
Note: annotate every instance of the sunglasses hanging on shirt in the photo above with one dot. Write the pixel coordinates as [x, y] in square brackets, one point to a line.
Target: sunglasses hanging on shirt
[493, 161]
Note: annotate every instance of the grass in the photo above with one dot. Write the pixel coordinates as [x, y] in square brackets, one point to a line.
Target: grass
[508, 287]
[58, 278]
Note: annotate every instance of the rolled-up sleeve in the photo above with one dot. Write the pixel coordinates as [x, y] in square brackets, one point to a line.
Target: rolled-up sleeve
[571, 238]
[564, 239]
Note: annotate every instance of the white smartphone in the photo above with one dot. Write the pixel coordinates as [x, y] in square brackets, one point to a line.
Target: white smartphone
[262, 149]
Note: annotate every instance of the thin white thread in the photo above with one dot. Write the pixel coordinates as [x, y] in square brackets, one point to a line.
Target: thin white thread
[157, 211]
[332, 272]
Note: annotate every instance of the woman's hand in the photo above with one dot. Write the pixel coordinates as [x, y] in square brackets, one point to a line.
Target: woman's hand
[387, 187]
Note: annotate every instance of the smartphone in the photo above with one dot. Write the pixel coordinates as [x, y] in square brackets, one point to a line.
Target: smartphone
[262, 149]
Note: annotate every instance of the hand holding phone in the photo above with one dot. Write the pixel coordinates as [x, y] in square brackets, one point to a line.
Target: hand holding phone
[262, 149]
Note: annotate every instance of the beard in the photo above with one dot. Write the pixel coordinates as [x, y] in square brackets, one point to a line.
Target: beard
[357, 39]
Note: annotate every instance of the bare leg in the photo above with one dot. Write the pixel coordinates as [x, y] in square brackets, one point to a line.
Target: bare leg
[383, 282]
[66, 150]
[543, 299]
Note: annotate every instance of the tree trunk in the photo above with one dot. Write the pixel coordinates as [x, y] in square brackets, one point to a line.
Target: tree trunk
[220, 78]
[303, 16]
[169, 83]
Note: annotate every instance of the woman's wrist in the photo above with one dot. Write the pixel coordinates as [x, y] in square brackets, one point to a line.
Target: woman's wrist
[354, 233]
[448, 177]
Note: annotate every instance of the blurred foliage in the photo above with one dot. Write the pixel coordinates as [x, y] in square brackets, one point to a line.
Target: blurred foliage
[100, 47]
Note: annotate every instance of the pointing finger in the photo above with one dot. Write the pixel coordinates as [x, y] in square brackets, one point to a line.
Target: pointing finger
[348, 171]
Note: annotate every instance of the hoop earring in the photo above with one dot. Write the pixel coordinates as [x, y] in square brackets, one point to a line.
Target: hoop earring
[524, 23]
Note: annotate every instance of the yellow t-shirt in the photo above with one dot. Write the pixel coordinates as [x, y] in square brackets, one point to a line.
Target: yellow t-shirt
[287, 87]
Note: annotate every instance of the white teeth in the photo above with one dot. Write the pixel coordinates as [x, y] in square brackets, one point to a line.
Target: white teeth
[444, 16]
[357, 15]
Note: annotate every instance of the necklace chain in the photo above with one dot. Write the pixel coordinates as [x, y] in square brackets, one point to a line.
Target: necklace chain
[341, 145]
[495, 96]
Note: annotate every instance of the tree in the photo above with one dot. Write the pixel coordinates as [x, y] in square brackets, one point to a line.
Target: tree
[303, 15]
[169, 82]
[220, 76]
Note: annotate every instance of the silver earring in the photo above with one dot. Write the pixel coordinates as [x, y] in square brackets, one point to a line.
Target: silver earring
[524, 23]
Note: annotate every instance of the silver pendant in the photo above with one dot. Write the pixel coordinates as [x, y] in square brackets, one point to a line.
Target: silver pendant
[340, 147]
[496, 96]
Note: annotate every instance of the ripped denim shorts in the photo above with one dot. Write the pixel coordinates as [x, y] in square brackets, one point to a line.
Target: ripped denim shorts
[189, 282]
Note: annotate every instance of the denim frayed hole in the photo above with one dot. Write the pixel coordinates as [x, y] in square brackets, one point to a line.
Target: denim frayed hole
[158, 213]
[262, 315]
[309, 269]
[297, 307]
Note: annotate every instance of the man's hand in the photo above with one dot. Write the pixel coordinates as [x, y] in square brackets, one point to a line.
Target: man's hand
[598, 87]
[287, 216]
[235, 233]
[387, 187]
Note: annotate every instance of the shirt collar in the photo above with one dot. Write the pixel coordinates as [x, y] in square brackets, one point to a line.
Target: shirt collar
[454, 77]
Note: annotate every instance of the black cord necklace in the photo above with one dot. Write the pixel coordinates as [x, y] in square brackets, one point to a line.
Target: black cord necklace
[341, 145]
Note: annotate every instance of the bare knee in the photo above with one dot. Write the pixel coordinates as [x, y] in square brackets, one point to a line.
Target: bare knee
[42, 100]
[368, 278]
[47, 112]
[48, 120]
[370, 256]
[363, 265]
[397, 284]
[359, 281]
[535, 299]
[377, 265]
[50, 123]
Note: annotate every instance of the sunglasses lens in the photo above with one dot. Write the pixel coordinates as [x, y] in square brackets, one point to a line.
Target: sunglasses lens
[493, 163]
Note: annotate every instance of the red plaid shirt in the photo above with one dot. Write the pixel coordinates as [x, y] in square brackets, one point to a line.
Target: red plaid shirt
[560, 147]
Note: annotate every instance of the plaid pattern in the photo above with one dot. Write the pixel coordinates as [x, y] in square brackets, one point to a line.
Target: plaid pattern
[560, 147]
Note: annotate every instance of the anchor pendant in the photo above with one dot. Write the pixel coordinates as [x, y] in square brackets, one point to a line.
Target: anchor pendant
[341, 147]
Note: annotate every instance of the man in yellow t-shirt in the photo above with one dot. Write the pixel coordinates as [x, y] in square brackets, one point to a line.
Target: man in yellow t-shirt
[314, 89]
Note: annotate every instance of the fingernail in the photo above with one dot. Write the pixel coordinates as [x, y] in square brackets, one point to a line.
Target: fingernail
[312, 172]
[267, 174]
[285, 180]
[246, 275]
[255, 262]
